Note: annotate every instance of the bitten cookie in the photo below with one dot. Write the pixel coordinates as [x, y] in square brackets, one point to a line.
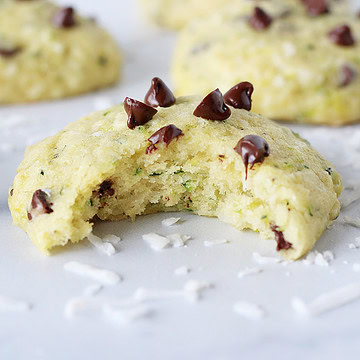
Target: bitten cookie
[49, 52]
[185, 154]
[175, 14]
[305, 68]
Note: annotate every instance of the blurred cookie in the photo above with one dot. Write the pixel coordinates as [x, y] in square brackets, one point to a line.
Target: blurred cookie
[49, 52]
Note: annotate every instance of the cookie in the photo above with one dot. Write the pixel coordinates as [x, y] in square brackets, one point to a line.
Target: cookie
[175, 14]
[49, 52]
[187, 154]
[305, 69]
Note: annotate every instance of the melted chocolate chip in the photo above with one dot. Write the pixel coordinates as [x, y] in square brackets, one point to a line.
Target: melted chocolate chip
[260, 20]
[159, 94]
[253, 149]
[342, 36]
[64, 18]
[40, 204]
[138, 112]
[9, 52]
[347, 75]
[213, 107]
[239, 96]
[316, 7]
[166, 134]
[11, 192]
[282, 244]
[106, 188]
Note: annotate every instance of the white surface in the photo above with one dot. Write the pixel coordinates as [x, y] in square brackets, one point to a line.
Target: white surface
[176, 329]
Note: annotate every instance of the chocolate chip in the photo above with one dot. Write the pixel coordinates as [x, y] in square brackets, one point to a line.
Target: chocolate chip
[316, 7]
[166, 134]
[253, 149]
[239, 96]
[11, 192]
[159, 94]
[282, 244]
[64, 18]
[106, 188]
[213, 107]
[138, 112]
[347, 75]
[342, 36]
[9, 52]
[40, 204]
[260, 20]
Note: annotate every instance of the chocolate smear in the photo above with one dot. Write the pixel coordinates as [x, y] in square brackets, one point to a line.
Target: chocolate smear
[213, 107]
[316, 7]
[239, 96]
[64, 18]
[252, 149]
[282, 244]
[138, 112]
[166, 134]
[159, 94]
[9, 52]
[106, 188]
[40, 204]
[342, 36]
[347, 75]
[260, 20]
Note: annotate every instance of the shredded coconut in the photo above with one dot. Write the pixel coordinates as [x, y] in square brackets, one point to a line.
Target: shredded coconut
[263, 260]
[347, 220]
[249, 310]
[212, 243]
[124, 316]
[156, 242]
[170, 221]
[320, 259]
[105, 277]
[328, 301]
[93, 290]
[178, 240]
[249, 271]
[105, 247]
[182, 270]
[8, 304]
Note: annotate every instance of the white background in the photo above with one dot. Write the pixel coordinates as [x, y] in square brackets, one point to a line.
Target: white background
[208, 329]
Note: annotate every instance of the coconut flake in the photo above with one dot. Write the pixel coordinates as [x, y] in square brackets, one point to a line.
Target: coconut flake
[264, 260]
[8, 304]
[92, 290]
[194, 289]
[105, 277]
[347, 220]
[328, 301]
[124, 316]
[156, 242]
[215, 242]
[178, 240]
[105, 247]
[320, 259]
[182, 270]
[112, 239]
[249, 310]
[249, 271]
[170, 221]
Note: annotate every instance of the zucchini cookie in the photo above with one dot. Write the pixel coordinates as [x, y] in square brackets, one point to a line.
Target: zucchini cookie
[210, 156]
[175, 14]
[306, 69]
[49, 52]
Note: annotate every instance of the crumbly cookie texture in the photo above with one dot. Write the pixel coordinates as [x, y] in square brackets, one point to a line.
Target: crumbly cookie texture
[175, 14]
[49, 52]
[134, 159]
[305, 69]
